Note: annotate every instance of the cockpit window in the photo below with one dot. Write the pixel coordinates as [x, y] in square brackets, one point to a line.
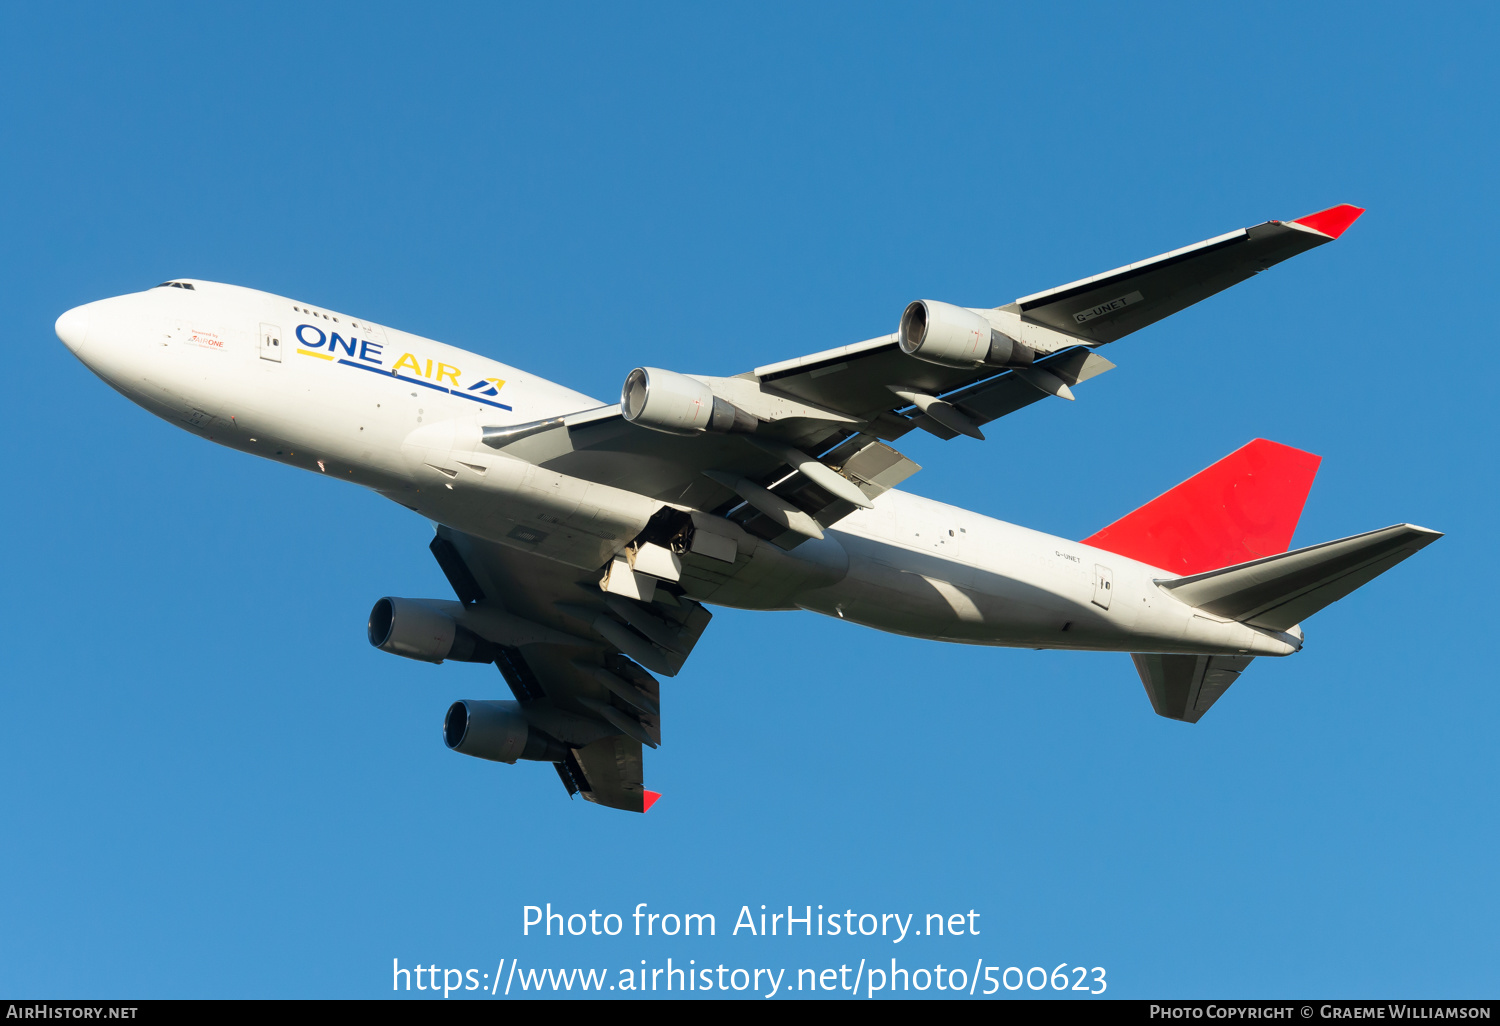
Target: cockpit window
[175, 285]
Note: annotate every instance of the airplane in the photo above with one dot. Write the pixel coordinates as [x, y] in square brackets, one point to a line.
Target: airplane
[584, 541]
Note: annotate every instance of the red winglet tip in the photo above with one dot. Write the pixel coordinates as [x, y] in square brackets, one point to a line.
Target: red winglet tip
[650, 800]
[1332, 222]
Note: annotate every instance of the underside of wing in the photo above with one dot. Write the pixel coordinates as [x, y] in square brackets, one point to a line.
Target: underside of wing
[791, 448]
[572, 655]
[783, 483]
[1109, 306]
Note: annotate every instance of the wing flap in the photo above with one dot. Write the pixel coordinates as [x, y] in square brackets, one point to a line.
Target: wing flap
[613, 771]
[857, 383]
[993, 399]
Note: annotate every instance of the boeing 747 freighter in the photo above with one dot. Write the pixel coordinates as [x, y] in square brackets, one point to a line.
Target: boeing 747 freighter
[584, 540]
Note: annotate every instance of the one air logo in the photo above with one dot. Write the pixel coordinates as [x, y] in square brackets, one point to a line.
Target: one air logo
[487, 386]
[437, 373]
[370, 356]
[312, 339]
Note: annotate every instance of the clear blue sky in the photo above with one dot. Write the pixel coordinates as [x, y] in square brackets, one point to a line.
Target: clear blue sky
[211, 785]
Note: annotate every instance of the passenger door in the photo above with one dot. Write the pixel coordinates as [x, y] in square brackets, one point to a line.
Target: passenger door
[1104, 586]
[270, 343]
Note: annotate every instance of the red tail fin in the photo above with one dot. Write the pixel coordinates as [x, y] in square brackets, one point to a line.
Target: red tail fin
[1243, 507]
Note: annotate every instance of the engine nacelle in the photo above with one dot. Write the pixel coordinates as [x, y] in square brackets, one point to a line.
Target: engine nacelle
[416, 630]
[952, 336]
[664, 400]
[497, 731]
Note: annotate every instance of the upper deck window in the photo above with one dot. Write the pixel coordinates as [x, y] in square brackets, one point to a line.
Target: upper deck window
[317, 313]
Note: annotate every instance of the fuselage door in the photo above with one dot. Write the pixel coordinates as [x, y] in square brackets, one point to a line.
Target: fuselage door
[270, 342]
[1104, 586]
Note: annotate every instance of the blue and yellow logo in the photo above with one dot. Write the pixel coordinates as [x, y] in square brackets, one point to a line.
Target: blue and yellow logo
[370, 356]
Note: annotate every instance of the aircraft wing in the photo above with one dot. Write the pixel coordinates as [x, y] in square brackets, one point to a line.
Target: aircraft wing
[573, 656]
[1111, 305]
[703, 471]
[1088, 313]
[820, 447]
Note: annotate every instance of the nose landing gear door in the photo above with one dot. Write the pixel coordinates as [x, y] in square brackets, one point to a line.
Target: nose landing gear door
[1104, 586]
[270, 342]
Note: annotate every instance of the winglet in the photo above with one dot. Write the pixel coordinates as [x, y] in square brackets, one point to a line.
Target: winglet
[1333, 221]
[650, 800]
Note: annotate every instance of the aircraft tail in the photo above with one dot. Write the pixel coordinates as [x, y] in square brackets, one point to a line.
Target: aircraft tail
[1277, 593]
[1242, 508]
[1226, 531]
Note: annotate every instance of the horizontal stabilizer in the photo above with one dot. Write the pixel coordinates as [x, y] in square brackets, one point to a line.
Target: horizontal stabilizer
[1182, 687]
[1281, 591]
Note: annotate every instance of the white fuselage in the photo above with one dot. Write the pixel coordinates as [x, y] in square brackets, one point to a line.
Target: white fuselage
[292, 382]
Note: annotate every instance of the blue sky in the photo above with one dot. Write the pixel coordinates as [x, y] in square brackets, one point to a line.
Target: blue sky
[212, 786]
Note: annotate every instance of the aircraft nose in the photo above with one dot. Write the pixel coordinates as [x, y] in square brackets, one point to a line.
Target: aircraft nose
[73, 328]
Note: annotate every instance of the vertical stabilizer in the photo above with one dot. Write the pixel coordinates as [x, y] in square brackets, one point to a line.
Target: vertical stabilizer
[1182, 687]
[1244, 507]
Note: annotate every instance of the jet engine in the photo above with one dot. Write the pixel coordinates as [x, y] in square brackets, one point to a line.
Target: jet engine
[497, 731]
[664, 400]
[411, 628]
[953, 336]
